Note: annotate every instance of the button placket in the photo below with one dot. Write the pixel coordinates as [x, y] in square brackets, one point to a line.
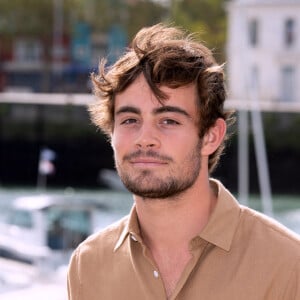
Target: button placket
[197, 247]
[146, 270]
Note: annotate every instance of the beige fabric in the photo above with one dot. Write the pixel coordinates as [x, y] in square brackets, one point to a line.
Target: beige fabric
[239, 255]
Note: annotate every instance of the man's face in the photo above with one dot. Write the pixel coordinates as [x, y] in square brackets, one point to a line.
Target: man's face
[156, 147]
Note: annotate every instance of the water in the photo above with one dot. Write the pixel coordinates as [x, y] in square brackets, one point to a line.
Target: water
[26, 282]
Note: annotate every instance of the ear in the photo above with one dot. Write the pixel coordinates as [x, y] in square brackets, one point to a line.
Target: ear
[214, 137]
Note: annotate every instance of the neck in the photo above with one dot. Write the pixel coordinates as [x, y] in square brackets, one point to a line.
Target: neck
[188, 213]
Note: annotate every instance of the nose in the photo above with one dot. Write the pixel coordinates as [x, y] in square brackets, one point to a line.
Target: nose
[147, 137]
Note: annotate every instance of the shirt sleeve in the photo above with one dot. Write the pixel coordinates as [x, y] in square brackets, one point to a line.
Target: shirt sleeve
[73, 282]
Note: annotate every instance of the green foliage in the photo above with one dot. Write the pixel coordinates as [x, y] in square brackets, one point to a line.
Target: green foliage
[144, 13]
[35, 17]
[132, 15]
[206, 17]
[30, 17]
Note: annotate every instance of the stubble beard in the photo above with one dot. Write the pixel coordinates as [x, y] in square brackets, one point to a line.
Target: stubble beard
[148, 185]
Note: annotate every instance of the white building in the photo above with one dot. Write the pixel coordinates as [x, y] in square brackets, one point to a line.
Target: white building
[263, 49]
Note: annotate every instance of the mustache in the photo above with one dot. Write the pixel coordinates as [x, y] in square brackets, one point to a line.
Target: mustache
[145, 154]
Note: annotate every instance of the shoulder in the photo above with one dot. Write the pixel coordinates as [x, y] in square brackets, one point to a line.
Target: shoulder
[102, 242]
[93, 259]
[268, 232]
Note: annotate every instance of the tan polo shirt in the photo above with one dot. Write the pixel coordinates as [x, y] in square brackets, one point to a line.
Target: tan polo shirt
[239, 255]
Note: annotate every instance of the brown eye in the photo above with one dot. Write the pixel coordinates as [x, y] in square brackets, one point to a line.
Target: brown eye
[170, 122]
[129, 121]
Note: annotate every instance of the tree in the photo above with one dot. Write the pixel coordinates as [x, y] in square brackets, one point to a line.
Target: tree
[206, 17]
[30, 17]
[144, 13]
[132, 15]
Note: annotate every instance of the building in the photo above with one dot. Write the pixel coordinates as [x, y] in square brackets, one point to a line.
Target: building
[263, 50]
[41, 64]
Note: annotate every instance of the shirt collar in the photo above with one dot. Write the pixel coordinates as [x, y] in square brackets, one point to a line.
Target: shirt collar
[224, 220]
[219, 230]
[132, 228]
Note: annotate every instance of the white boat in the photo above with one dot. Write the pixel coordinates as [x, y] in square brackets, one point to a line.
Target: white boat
[43, 230]
[38, 235]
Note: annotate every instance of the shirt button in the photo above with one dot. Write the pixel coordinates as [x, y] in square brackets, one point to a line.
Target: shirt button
[133, 238]
[155, 274]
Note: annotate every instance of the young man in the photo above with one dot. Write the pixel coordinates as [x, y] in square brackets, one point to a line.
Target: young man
[161, 104]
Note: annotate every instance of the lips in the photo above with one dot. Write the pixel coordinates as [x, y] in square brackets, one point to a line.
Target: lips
[149, 157]
[147, 161]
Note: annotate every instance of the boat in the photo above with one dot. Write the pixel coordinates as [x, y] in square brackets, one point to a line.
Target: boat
[43, 230]
[38, 234]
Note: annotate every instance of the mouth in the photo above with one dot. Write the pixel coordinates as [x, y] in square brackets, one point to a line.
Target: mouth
[147, 162]
[147, 159]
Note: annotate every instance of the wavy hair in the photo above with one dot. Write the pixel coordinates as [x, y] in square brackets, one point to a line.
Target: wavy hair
[166, 56]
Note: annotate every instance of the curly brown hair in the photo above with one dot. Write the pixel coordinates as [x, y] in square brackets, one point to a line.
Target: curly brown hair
[166, 56]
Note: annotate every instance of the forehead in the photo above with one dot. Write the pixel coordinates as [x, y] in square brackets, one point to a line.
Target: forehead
[139, 94]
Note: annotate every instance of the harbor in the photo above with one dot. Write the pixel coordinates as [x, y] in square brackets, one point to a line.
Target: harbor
[58, 183]
[47, 279]
[42, 273]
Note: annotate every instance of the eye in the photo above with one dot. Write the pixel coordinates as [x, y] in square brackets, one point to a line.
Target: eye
[170, 122]
[128, 121]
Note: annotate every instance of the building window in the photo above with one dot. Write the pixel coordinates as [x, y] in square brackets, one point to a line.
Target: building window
[289, 32]
[253, 32]
[288, 84]
[27, 50]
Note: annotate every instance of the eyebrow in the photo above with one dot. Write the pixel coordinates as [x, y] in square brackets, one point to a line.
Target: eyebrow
[156, 111]
[167, 108]
[128, 109]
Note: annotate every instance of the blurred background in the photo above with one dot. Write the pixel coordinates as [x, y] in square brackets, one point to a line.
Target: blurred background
[48, 146]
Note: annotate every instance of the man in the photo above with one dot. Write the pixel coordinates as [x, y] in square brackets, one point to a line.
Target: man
[161, 104]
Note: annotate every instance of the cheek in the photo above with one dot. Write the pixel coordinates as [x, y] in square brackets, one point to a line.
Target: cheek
[187, 140]
[119, 142]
